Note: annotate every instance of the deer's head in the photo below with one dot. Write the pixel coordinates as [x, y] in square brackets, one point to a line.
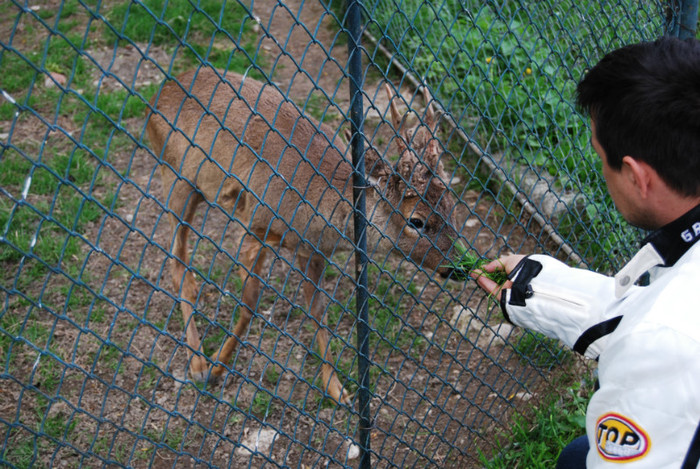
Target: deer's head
[415, 210]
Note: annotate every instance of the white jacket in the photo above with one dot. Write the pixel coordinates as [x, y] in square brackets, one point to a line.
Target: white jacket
[646, 412]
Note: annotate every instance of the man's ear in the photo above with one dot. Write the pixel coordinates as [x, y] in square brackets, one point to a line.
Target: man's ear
[641, 175]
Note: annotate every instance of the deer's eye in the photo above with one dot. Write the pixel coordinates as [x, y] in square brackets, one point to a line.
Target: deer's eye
[416, 223]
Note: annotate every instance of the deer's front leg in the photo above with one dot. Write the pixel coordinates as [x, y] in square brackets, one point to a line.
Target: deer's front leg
[313, 266]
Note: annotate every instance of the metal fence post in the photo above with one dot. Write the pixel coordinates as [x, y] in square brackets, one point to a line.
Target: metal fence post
[689, 19]
[358, 159]
[682, 18]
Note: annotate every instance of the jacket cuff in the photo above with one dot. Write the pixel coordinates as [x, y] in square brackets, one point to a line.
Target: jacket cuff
[521, 276]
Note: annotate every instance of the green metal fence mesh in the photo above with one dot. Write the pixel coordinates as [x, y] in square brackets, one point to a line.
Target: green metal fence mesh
[94, 361]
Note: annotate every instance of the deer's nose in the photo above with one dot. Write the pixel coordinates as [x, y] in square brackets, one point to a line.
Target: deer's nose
[454, 274]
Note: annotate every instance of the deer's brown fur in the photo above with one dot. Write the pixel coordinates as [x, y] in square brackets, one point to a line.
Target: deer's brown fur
[286, 178]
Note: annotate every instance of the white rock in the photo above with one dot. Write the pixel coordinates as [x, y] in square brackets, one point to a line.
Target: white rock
[472, 222]
[496, 335]
[258, 441]
[461, 319]
[54, 77]
[522, 395]
[353, 451]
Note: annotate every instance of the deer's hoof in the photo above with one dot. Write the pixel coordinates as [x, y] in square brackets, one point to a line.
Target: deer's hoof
[341, 396]
[216, 373]
[199, 369]
[206, 377]
[347, 399]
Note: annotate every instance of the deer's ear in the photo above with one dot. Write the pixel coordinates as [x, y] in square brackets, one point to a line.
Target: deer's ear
[396, 118]
[432, 151]
[429, 118]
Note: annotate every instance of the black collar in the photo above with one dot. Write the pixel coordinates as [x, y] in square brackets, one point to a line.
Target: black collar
[674, 239]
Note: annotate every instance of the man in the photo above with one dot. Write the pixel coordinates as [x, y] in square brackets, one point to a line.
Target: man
[644, 104]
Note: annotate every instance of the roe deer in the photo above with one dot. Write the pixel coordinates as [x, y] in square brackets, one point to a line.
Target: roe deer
[241, 144]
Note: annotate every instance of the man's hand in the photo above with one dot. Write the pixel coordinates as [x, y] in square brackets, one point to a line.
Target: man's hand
[506, 264]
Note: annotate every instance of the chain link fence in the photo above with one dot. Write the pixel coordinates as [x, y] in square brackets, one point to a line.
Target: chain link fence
[96, 353]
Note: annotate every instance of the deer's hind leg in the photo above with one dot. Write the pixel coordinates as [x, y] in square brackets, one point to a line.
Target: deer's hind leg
[313, 267]
[183, 201]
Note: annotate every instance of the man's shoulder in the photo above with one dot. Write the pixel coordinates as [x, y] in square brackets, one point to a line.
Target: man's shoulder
[673, 299]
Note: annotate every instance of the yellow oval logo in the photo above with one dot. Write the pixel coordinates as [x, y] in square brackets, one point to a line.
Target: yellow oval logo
[620, 440]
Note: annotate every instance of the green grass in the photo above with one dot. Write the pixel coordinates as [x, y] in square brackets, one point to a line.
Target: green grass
[57, 425]
[318, 106]
[26, 446]
[392, 291]
[45, 230]
[218, 32]
[272, 374]
[508, 75]
[541, 351]
[214, 336]
[173, 437]
[14, 330]
[467, 262]
[41, 228]
[22, 452]
[57, 171]
[535, 438]
[148, 378]
[262, 403]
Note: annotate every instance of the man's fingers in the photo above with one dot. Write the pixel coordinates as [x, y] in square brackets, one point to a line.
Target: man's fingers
[484, 282]
[504, 264]
[493, 266]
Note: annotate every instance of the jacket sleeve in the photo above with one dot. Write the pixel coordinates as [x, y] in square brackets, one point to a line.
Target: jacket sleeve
[573, 305]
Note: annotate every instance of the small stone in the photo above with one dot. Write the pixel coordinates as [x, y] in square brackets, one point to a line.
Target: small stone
[353, 451]
[258, 441]
[52, 78]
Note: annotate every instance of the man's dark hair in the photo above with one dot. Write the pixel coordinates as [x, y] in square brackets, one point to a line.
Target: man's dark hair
[645, 101]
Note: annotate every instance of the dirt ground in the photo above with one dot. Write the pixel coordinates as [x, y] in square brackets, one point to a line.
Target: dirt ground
[445, 377]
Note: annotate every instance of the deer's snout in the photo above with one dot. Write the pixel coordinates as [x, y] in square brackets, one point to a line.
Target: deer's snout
[453, 273]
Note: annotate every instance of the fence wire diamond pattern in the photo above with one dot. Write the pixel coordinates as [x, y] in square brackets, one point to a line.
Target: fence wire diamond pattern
[96, 361]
